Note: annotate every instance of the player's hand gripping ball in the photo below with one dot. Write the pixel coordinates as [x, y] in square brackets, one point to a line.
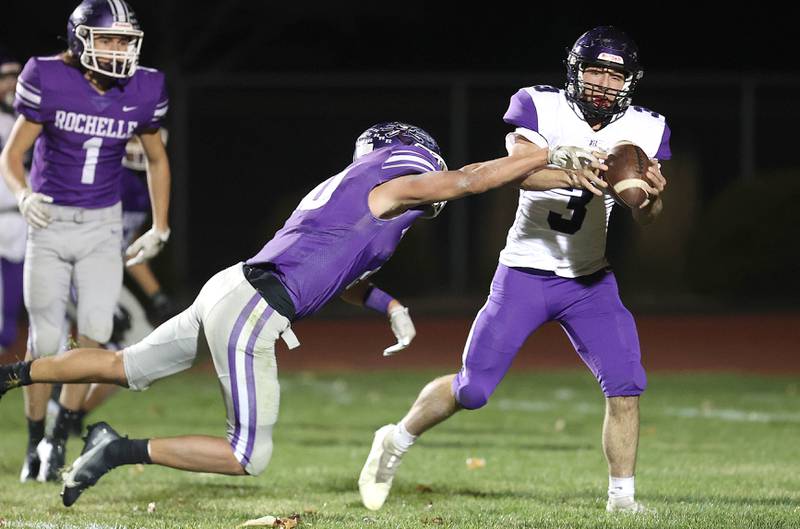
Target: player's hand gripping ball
[626, 175]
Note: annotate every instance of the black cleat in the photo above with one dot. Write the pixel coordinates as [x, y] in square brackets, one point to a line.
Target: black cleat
[52, 453]
[30, 468]
[92, 463]
[9, 378]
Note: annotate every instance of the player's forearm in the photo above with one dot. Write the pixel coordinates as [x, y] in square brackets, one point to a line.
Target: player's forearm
[13, 170]
[481, 177]
[158, 179]
[365, 294]
[544, 179]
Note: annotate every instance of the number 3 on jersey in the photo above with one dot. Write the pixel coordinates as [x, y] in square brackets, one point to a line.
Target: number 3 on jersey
[576, 204]
[92, 148]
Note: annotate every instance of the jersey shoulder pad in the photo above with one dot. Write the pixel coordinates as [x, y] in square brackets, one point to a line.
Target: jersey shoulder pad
[534, 108]
[408, 159]
[152, 87]
[650, 131]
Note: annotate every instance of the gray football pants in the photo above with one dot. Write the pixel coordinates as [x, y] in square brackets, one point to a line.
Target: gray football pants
[241, 330]
[80, 248]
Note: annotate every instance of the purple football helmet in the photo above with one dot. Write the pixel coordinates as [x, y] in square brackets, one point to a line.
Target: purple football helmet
[397, 133]
[606, 47]
[110, 18]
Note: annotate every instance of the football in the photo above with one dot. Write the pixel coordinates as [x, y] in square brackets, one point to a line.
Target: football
[627, 165]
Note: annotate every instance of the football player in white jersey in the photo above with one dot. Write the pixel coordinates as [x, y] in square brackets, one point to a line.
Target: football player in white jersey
[553, 267]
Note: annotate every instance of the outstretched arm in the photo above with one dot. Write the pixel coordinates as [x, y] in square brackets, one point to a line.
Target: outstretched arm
[403, 193]
[550, 177]
[400, 194]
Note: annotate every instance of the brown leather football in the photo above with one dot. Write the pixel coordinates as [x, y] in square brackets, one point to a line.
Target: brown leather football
[627, 165]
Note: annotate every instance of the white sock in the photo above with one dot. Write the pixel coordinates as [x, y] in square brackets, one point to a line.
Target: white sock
[401, 439]
[620, 487]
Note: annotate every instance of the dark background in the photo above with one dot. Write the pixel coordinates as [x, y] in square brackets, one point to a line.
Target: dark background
[267, 100]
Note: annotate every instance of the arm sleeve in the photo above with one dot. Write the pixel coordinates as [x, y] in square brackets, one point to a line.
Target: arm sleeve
[664, 152]
[160, 109]
[28, 98]
[522, 112]
[408, 160]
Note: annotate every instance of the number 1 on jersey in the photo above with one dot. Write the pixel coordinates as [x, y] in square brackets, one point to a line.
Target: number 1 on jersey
[92, 148]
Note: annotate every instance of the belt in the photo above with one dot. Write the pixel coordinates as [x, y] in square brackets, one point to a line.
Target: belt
[80, 215]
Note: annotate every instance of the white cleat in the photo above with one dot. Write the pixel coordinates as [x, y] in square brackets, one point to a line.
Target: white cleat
[627, 504]
[51, 456]
[376, 477]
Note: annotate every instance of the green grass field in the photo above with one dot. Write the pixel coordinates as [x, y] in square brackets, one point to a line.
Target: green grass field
[717, 451]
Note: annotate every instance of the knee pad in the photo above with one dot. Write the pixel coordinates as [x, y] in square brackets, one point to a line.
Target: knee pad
[45, 340]
[470, 396]
[262, 453]
[631, 385]
[96, 324]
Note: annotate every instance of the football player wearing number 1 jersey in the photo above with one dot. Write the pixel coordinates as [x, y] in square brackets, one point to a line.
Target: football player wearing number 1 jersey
[554, 268]
[78, 109]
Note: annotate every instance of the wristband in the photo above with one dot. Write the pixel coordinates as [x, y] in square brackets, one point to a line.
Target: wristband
[377, 300]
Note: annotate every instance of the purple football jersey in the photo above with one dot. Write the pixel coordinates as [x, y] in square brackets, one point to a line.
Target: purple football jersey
[135, 195]
[332, 239]
[76, 159]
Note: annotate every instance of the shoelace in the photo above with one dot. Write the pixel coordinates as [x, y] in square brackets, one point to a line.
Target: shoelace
[386, 470]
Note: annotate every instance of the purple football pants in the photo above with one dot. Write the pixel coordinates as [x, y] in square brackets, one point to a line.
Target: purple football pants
[10, 300]
[588, 308]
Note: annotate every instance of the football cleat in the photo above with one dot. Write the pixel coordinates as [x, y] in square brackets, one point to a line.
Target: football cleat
[92, 463]
[376, 477]
[51, 454]
[30, 467]
[626, 504]
[9, 379]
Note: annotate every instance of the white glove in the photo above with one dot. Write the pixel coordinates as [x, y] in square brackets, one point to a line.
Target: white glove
[33, 208]
[403, 329]
[571, 158]
[147, 246]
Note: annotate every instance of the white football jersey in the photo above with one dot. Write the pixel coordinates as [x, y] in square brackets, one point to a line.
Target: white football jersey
[564, 230]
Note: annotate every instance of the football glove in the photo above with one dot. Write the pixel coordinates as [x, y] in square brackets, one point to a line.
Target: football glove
[33, 207]
[147, 246]
[571, 158]
[403, 329]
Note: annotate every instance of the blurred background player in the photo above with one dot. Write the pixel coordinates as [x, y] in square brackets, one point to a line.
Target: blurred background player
[13, 228]
[80, 108]
[352, 224]
[136, 209]
[554, 268]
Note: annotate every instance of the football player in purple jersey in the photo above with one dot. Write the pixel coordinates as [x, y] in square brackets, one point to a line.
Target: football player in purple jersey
[78, 109]
[554, 268]
[12, 225]
[345, 229]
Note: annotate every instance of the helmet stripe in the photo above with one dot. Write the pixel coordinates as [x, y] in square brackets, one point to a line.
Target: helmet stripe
[124, 11]
[113, 9]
